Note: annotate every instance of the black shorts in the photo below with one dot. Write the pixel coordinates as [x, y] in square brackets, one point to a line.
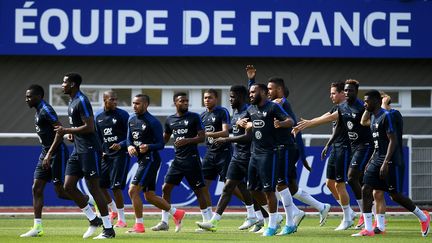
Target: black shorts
[262, 172]
[338, 162]
[84, 164]
[287, 157]
[58, 165]
[114, 171]
[147, 172]
[393, 183]
[190, 168]
[360, 156]
[215, 164]
[238, 169]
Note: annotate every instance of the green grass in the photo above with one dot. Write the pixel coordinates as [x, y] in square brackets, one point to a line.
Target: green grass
[70, 229]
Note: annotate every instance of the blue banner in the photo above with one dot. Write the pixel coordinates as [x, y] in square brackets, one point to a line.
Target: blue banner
[279, 28]
[17, 165]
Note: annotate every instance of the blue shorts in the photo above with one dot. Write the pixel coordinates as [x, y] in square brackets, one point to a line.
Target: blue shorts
[147, 171]
[360, 156]
[190, 168]
[338, 162]
[114, 171]
[58, 165]
[215, 164]
[84, 164]
[238, 169]
[262, 172]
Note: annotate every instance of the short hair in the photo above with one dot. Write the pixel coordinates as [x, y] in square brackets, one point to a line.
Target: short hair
[262, 87]
[178, 94]
[339, 85]
[278, 81]
[239, 90]
[374, 94]
[74, 77]
[353, 82]
[144, 97]
[37, 89]
[212, 91]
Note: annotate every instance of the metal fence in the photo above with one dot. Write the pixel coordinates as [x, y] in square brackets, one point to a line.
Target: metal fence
[420, 161]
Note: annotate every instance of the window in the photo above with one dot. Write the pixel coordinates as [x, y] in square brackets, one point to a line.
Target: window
[155, 96]
[421, 98]
[410, 101]
[161, 103]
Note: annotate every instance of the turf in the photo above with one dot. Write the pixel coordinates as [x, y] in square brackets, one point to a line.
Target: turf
[70, 229]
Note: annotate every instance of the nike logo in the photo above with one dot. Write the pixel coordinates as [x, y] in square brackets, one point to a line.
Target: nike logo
[92, 173]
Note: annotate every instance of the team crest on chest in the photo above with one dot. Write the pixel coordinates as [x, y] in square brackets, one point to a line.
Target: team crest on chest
[350, 125]
[264, 113]
[353, 115]
[376, 125]
[186, 122]
[213, 119]
[143, 126]
[258, 135]
[114, 121]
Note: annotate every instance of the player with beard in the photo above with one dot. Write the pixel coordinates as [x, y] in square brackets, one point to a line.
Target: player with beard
[144, 140]
[265, 118]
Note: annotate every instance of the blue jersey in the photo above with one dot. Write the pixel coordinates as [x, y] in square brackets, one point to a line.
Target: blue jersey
[263, 130]
[45, 119]
[145, 129]
[299, 138]
[342, 138]
[212, 122]
[186, 126]
[350, 116]
[381, 125]
[79, 108]
[241, 150]
[112, 127]
[283, 135]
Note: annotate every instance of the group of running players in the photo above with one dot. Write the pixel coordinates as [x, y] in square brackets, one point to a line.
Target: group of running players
[257, 163]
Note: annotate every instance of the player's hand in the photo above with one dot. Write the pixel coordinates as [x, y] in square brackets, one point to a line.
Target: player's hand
[295, 131]
[324, 153]
[306, 165]
[242, 122]
[250, 72]
[46, 163]
[276, 123]
[302, 124]
[70, 137]
[115, 147]
[219, 141]
[143, 148]
[60, 130]
[384, 170]
[132, 151]
[181, 142]
[278, 101]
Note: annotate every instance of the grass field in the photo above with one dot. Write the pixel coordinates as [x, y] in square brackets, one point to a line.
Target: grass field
[70, 229]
